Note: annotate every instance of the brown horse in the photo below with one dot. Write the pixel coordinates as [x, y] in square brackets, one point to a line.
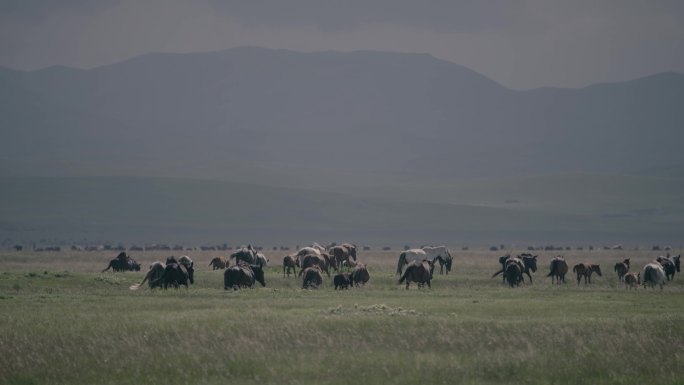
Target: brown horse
[622, 268]
[313, 278]
[586, 270]
[289, 263]
[339, 255]
[632, 280]
[218, 263]
[419, 272]
[314, 260]
[359, 276]
[558, 269]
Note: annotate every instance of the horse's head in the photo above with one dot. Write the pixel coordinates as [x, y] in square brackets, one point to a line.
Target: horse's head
[530, 262]
[258, 274]
[504, 258]
[597, 269]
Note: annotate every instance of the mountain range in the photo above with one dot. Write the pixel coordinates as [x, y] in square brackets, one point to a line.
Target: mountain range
[261, 144]
[192, 115]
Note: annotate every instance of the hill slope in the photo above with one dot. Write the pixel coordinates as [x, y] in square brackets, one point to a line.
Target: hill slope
[358, 111]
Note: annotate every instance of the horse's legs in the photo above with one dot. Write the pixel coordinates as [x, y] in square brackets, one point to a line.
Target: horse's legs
[407, 285]
[528, 274]
[428, 283]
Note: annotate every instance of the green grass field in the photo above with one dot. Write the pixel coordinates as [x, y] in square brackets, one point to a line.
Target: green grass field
[64, 322]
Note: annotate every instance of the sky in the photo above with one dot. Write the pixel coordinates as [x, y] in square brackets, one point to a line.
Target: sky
[521, 44]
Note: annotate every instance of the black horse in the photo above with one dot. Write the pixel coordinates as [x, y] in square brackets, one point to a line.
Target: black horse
[670, 265]
[526, 261]
[243, 275]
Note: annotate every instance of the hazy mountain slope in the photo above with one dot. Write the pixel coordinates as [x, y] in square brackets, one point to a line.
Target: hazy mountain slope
[178, 210]
[359, 111]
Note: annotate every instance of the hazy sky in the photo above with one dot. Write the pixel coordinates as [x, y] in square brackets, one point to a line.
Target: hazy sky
[521, 44]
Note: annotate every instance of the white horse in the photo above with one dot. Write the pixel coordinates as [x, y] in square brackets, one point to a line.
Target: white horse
[653, 274]
[428, 252]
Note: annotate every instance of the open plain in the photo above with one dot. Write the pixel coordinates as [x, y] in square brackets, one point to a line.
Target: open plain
[62, 321]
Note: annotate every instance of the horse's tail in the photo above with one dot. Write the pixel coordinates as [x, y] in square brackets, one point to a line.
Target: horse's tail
[108, 266]
[574, 268]
[212, 262]
[554, 268]
[136, 286]
[497, 273]
[401, 263]
[403, 276]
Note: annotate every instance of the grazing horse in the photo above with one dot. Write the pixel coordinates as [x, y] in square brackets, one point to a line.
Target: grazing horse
[632, 280]
[245, 254]
[174, 274]
[558, 269]
[513, 273]
[289, 264]
[313, 278]
[314, 260]
[428, 252]
[622, 268]
[351, 248]
[419, 272]
[260, 260]
[526, 261]
[670, 265]
[188, 264]
[339, 255]
[242, 275]
[218, 263]
[360, 276]
[586, 270]
[653, 274]
[153, 276]
[117, 265]
[342, 280]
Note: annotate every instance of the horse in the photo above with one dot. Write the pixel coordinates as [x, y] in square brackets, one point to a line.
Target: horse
[153, 277]
[188, 264]
[526, 261]
[289, 264]
[653, 274]
[218, 263]
[247, 255]
[632, 280]
[314, 260]
[117, 265]
[175, 274]
[339, 255]
[260, 260]
[419, 272]
[670, 265]
[428, 252]
[513, 272]
[243, 275]
[359, 276]
[312, 277]
[342, 280]
[622, 268]
[586, 270]
[558, 269]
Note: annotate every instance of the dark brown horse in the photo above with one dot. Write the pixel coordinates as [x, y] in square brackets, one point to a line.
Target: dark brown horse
[289, 264]
[339, 255]
[419, 272]
[670, 265]
[586, 270]
[558, 269]
[513, 273]
[360, 276]
[313, 278]
[314, 260]
[526, 261]
[622, 268]
[218, 263]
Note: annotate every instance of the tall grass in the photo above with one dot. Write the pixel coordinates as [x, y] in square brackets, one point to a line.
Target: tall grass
[63, 322]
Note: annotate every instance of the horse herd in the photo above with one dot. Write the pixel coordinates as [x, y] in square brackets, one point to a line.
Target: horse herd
[413, 266]
[653, 274]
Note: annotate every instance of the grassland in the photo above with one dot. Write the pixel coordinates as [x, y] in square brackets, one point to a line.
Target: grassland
[64, 322]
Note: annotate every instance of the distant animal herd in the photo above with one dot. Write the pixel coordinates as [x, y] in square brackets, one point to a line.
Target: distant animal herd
[413, 266]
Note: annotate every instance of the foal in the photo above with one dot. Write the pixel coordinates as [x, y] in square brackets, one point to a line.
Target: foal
[586, 270]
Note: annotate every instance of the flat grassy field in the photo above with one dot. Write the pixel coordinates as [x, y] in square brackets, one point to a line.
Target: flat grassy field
[64, 322]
